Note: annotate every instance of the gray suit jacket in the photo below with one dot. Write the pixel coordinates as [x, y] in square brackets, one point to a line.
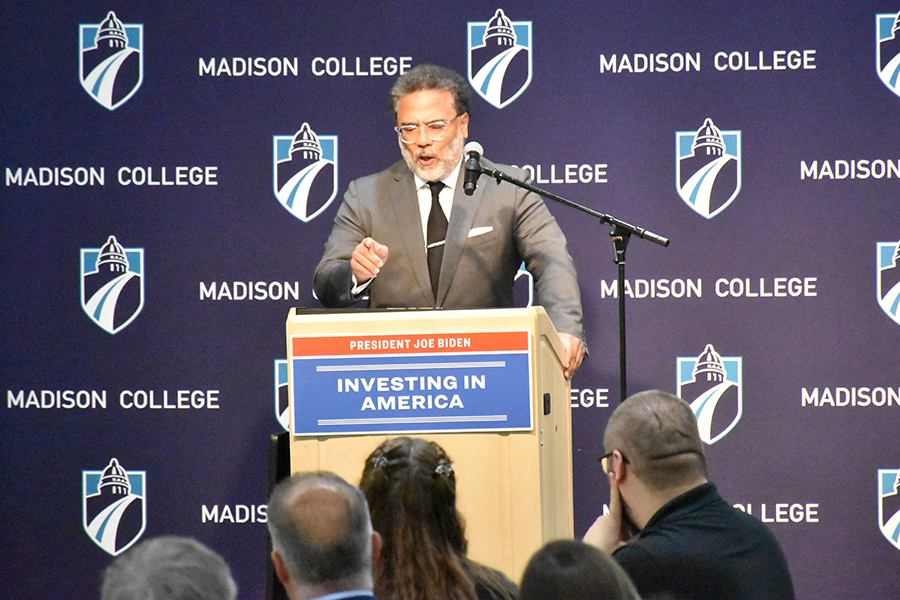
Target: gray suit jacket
[489, 235]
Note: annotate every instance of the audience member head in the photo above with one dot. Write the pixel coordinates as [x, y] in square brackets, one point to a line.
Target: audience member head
[432, 77]
[657, 436]
[411, 488]
[573, 570]
[168, 568]
[322, 537]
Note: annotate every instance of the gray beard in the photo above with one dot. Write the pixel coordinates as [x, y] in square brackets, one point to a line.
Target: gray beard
[443, 167]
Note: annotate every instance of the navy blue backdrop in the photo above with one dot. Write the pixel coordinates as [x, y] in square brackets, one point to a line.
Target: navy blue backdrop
[151, 249]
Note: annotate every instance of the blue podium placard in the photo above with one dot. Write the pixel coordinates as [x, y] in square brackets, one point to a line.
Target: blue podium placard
[411, 383]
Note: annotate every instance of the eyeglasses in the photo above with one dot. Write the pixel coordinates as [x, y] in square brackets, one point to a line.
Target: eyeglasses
[435, 130]
[604, 460]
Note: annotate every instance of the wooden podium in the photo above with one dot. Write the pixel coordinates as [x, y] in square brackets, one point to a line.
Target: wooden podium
[487, 385]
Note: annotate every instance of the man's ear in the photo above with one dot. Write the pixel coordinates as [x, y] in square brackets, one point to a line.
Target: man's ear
[619, 466]
[280, 569]
[377, 543]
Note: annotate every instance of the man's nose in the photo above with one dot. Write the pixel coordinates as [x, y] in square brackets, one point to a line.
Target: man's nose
[422, 138]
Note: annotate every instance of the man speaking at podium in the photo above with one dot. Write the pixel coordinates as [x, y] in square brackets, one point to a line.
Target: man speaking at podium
[409, 237]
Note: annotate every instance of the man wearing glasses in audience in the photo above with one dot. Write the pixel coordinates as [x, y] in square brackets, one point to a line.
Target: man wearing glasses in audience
[409, 237]
[667, 525]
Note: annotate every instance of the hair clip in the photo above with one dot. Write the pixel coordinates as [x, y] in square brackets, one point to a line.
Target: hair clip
[443, 470]
[380, 462]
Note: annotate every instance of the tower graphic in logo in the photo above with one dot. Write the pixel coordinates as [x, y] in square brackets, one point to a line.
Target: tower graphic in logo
[114, 506]
[712, 385]
[887, 50]
[282, 408]
[112, 60]
[889, 279]
[708, 168]
[500, 58]
[112, 284]
[889, 504]
[305, 172]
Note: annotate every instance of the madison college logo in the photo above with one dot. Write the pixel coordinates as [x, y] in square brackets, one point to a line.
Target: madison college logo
[889, 504]
[500, 58]
[114, 506]
[305, 172]
[112, 60]
[889, 279]
[282, 409]
[708, 169]
[887, 52]
[112, 284]
[711, 383]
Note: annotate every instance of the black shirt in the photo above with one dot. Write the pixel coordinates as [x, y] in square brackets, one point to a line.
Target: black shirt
[697, 546]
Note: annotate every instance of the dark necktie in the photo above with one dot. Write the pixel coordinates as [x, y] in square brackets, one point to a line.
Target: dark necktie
[437, 231]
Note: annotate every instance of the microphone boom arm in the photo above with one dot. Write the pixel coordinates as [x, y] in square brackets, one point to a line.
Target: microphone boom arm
[633, 229]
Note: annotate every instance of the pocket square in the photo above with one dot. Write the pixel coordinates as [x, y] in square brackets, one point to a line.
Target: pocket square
[475, 231]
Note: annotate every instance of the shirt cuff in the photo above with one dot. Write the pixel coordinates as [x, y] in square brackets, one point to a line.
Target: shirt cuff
[358, 289]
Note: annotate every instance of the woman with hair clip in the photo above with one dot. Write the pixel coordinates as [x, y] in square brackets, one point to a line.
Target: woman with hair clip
[411, 489]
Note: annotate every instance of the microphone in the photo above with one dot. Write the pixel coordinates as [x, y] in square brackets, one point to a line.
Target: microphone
[473, 151]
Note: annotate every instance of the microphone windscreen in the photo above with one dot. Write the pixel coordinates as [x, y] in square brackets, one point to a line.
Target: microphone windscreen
[473, 147]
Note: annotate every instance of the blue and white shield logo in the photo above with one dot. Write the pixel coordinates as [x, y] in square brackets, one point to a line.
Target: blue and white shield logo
[500, 58]
[114, 506]
[889, 279]
[712, 385]
[887, 50]
[112, 284]
[112, 60]
[708, 168]
[889, 505]
[282, 400]
[305, 172]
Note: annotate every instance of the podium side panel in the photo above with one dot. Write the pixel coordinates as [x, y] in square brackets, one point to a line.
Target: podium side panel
[555, 428]
[527, 535]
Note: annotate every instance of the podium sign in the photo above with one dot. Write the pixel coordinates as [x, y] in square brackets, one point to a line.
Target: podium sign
[411, 383]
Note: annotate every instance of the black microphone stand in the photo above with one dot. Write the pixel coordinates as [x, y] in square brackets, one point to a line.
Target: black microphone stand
[621, 235]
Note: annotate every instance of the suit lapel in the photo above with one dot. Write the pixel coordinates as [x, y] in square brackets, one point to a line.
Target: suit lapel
[462, 217]
[408, 224]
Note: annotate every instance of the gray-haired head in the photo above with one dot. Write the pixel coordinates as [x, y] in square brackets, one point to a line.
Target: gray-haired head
[320, 527]
[168, 568]
[432, 77]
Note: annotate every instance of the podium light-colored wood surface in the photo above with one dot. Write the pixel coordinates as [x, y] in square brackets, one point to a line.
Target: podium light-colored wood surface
[514, 489]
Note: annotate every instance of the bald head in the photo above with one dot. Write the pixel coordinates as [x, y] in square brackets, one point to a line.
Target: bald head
[320, 528]
[322, 512]
[657, 433]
